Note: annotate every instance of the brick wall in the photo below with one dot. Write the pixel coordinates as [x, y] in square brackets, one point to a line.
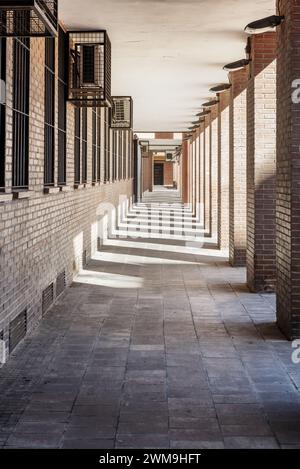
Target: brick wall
[207, 175]
[223, 170]
[184, 172]
[45, 234]
[168, 173]
[214, 193]
[237, 168]
[164, 135]
[147, 173]
[261, 168]
[288, 172]
[201, 173]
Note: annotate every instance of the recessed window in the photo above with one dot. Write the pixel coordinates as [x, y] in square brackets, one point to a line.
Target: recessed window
[2, 110]
[77, 145]
[20, 144]
[49, 111]
[84, 145]
[62, 104]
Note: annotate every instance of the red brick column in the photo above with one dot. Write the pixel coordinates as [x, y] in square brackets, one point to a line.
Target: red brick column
[201, 173]
[288, 171]
[207, 175]
[223, 170]
[261, 167]
[197, 178]
[237, 168]
[184, 172]
[214, 196]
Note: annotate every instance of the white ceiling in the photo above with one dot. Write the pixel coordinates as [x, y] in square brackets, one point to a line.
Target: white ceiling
[166, 54]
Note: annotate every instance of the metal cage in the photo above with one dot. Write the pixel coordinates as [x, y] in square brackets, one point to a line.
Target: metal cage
[89, 69]
[28, 18]
[145, 148]
[121, 113]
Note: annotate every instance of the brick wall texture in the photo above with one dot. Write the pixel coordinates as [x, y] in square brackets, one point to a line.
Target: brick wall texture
[261, 163]
[288, 171]
[237, 168]
[45, 234]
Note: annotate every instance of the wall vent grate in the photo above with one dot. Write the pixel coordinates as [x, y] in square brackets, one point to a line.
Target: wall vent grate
[47, 298]
[84, 258]
[17, 330]
[60, 283]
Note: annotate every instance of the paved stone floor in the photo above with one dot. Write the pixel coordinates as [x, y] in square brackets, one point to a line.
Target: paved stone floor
[159, 344]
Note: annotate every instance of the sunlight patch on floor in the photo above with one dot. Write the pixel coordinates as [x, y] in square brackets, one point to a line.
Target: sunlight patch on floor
[138, 260]
[106, 279]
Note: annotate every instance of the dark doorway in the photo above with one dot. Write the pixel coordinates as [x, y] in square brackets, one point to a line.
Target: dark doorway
[158, 174]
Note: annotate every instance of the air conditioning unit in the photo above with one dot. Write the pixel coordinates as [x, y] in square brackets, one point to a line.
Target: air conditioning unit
[89, 69]
[28, 18]
[121, 113]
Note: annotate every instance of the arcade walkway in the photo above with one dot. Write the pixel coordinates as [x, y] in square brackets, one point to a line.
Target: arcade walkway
[157, 344]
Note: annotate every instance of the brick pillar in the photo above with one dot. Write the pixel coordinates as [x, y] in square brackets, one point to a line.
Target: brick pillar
[194, 175]
[207, 175]
[261, 167]
[214, 173]
[288, 171]
[184, 172]
[201, 173]
[197, 212]
[238, 168]
[223, 170]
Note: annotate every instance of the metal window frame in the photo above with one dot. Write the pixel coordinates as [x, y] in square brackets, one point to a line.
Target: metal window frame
[84, 144]
[107, 146]
[49, 103]
[94, 144]
[77, 146]
[98, 130]
[21, 103]
[62, 106]
[43, 19]
[118, 125]
[79, 96]
[2, 112]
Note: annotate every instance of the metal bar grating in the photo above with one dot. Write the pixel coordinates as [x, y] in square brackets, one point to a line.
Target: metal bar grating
[49, 111]
[60, 282]
[90, 68]
[47, 298]
[121, 116]
[20, 151]
[84, 258]
[94, 144]
[98, 144]
[28, 18]
[84, 145]
[62, 104]
[77, 150]
[2, 111]
[17, 330]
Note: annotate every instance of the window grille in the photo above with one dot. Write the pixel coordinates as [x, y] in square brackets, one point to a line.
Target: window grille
[20, 131]
[62, 104]
[77, 145]
[90, 68]
[2, 111]
[28, 18]
[49, 111]
[84, 145]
